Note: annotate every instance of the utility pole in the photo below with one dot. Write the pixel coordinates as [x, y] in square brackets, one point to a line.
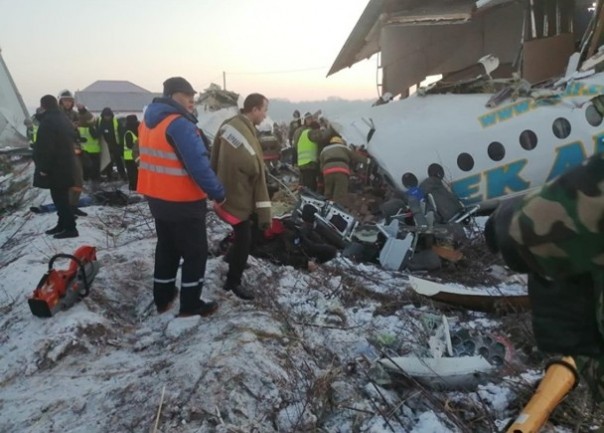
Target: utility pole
[223, 80]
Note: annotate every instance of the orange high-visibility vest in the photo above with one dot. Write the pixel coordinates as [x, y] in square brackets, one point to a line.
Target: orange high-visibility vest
[160, 173]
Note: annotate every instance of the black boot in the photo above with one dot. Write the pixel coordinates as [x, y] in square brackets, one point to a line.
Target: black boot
[165, 307]
[53, 231]
[241, 292]
[73, 233]
[78, 212]
[203, 309]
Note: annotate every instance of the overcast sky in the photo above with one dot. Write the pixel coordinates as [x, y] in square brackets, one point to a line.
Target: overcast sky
[281, 48]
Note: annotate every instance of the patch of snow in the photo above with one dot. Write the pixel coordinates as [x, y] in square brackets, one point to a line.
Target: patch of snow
[428, 422]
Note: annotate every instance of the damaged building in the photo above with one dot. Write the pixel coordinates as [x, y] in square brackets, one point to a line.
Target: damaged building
[416, 39]
[215, 98]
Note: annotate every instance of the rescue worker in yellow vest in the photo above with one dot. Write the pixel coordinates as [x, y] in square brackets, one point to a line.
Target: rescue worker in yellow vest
[91, 156]
[130, 139]
[175, 176]
[297, 132]
[307, 152]
[238, 160]
[336, 159]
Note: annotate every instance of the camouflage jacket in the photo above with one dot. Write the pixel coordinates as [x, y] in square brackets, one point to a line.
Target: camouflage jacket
[556, 235]
[557, 231]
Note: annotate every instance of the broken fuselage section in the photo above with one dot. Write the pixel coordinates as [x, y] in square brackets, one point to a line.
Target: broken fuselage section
[513, 108]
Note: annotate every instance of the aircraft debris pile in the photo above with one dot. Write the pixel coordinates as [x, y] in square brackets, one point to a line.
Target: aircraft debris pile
[458, 359]
[413, 234]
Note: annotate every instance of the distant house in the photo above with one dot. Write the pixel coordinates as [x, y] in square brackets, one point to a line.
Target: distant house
[123, 97]
[214, 98]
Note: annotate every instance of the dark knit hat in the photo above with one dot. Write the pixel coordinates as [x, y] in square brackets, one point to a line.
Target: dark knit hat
[177, 85]
[308, 213]
[48, 101]
[132, 121]
[65, 94]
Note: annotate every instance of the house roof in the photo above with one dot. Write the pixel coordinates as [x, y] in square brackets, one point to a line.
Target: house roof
[120, 96]
[114, 86]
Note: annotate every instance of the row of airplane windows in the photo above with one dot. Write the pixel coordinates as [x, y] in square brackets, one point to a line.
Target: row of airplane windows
[496, 151]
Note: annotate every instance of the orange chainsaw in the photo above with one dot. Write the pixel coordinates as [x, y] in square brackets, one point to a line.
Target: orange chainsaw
[60, 289]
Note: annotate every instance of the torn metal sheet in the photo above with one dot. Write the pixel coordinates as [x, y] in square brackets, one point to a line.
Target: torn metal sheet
[464, 372]
[471, 299]
[433, 12]
[396, 253]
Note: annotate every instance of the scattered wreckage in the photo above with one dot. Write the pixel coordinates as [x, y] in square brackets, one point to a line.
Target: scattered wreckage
[471, 299]
[404, 240]
[453, 360]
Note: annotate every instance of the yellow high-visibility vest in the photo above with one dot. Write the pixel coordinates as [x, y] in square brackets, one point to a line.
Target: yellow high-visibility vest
[308, 150]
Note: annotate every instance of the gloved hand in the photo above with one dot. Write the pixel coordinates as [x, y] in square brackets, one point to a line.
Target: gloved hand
[264, 218]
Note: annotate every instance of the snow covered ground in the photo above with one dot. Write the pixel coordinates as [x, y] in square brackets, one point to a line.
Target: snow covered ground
[297, 359]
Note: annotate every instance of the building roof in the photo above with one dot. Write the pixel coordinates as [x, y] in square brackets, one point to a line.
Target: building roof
[120, 96]
[114, 86]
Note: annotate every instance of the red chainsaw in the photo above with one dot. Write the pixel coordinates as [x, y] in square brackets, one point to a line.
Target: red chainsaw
[60, 289]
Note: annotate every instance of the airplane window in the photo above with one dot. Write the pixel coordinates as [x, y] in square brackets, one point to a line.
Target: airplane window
[496, 151]
[561, 127]
[465, 161]
[528, 139]
[409, 180]
[593, 117]
[435, 170]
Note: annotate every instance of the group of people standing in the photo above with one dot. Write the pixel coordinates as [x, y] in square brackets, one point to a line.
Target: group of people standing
[67, 142]
[178, 171]
[118, 137]
[322, 157]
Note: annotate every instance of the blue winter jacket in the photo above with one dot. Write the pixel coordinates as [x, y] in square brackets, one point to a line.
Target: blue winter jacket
[182, 134]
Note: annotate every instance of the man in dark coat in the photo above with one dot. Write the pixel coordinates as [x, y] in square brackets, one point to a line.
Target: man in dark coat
[55, 163]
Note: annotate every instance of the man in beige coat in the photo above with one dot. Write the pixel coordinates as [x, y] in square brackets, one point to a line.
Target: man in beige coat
[238, 161]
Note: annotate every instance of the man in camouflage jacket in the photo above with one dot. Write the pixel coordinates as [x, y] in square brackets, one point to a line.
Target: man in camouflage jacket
[556, 235]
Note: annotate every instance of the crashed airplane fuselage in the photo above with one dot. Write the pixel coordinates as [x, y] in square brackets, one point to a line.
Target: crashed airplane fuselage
[489, 132]
[485, 153]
